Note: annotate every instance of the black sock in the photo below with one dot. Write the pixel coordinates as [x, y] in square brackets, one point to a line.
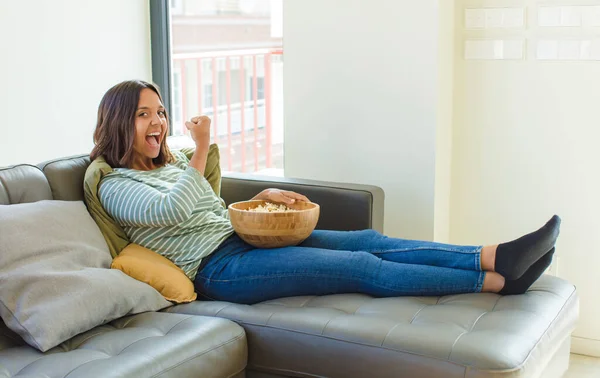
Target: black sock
[520, 285]
[515, 257]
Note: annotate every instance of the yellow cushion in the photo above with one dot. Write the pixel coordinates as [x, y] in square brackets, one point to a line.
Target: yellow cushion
[157, 271]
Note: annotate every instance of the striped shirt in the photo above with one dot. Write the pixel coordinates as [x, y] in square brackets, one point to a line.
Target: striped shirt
[171, 210]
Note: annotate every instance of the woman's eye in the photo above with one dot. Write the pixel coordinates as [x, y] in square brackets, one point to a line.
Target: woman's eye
[143, 114]
[162, 112]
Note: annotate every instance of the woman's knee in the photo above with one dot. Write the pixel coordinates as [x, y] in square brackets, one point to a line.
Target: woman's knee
[371, 232]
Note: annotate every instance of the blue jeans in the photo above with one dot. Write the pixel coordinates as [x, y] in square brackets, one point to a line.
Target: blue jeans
[335, 262]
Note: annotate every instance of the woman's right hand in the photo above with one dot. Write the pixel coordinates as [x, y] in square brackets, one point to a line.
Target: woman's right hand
[199, 128]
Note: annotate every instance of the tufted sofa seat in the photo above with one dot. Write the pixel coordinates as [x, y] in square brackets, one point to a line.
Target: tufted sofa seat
[144, 345]
[468, 335]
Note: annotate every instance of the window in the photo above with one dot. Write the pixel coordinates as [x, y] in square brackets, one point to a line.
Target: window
[176, 111]
[260, 85]
[225, 60]
[176, 6]
[207, 96]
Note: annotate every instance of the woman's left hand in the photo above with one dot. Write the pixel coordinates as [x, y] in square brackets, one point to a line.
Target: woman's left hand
[280, 196]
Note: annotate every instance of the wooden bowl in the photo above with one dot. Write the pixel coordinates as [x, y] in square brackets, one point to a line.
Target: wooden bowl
[275, 229]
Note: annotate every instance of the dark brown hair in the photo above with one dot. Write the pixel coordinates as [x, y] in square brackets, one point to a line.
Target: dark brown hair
[115, 128]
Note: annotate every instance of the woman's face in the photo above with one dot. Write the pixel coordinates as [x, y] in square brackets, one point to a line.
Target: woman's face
[150, 128]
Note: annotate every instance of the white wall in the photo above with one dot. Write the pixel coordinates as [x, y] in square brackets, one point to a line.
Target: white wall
[58, 59]
[445, 109]
[525, 146]
[360, 100]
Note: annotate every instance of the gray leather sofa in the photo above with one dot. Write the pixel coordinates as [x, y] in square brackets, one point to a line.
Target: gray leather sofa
[352, 335]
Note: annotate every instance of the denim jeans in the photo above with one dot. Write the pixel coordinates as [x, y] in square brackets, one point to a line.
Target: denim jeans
[335, 262]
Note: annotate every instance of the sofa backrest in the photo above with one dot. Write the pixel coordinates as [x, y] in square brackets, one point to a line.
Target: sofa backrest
[65, 177]
[22, 184]
[60, 179]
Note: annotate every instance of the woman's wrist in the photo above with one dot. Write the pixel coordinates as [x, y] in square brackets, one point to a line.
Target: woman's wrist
[261, 195]
[200, 157]
[202, 143]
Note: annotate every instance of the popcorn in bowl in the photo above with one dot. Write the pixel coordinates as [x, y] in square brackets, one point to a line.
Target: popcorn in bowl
[270, 207]
[264, 224]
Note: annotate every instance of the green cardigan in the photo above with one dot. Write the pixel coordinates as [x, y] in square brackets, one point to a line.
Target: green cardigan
[112, 232]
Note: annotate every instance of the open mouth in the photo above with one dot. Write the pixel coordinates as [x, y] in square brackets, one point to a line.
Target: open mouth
[153, 139]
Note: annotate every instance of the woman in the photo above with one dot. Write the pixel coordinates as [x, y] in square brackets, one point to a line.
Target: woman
[164, 203]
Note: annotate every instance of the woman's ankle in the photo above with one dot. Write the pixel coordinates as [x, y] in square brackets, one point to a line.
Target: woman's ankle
[488, 258]
[492, 283]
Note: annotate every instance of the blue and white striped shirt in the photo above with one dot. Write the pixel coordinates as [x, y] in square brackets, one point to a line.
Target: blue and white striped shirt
[171, 210]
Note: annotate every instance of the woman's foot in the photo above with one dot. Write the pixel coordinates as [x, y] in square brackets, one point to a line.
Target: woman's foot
[515, 257]
[520, 285]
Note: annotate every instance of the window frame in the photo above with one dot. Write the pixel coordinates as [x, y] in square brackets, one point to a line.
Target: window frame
[164, 76]
[160, 40]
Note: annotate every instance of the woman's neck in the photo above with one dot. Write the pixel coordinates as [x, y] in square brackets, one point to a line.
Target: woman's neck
[143, 164]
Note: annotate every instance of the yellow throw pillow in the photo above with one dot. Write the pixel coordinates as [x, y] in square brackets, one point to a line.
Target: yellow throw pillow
[157, 271]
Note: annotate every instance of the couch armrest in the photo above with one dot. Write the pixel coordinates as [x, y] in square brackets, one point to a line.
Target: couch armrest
[343, 206]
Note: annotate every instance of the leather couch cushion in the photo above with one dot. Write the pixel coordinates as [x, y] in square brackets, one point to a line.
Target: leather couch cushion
[144, 345]
[23, 184]
[66, 177]
[353, 335]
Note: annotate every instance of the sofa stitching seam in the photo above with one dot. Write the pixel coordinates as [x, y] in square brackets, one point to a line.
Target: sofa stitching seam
[224, 308]
[306, 302]
[178, 323]
[237, 372]
[156, 329]
[269, 318]
[92, 336]
[87, 362]
[20, 165]
[358, 308]
[326, 324]
[417, 313]
[270, 369]
[496, 304]
[134, 343]
[464, 333]
[389, 332]
[242, 334]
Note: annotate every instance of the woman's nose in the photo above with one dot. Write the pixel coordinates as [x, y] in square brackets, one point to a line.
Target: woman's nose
[155, 120]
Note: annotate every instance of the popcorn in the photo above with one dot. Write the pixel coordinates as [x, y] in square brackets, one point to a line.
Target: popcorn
[269, 207]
